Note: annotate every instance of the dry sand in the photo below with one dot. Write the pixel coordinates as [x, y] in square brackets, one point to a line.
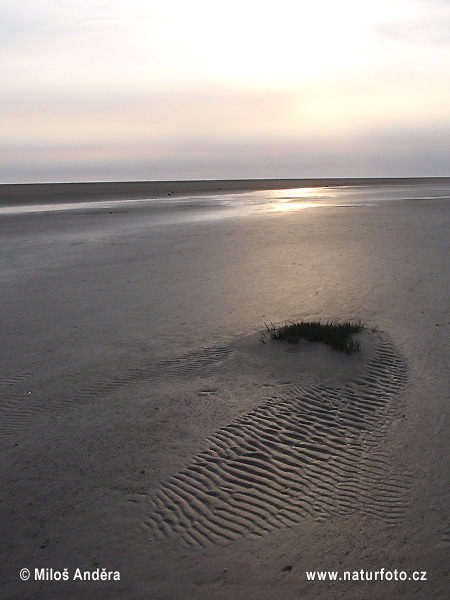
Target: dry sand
[146, 429]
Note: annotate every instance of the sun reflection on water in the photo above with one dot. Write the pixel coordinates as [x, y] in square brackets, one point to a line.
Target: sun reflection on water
[301, 198]
[287, 205]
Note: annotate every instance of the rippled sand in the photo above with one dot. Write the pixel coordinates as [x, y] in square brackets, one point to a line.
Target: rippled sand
[146, 429]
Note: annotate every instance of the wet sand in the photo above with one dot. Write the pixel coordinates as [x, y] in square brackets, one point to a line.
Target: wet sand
[57, 192]
[147, 430]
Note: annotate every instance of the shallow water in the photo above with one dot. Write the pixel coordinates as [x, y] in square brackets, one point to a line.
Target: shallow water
[194, 208]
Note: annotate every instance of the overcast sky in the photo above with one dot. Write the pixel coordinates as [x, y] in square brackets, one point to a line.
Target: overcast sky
[175, 89]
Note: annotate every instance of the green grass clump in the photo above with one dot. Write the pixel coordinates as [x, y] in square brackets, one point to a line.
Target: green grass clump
[337, 335]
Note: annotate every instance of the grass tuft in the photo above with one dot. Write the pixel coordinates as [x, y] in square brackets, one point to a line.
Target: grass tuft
[337, 335]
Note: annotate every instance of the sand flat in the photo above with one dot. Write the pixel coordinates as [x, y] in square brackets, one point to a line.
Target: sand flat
[145, 428]
[57, 192]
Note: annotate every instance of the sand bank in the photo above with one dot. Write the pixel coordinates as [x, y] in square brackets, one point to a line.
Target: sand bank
[63, 192]
[146, 429]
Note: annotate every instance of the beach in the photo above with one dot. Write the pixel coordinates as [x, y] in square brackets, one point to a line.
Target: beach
[146, 429]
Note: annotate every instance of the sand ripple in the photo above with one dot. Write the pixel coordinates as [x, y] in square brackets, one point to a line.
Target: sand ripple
[308, 452]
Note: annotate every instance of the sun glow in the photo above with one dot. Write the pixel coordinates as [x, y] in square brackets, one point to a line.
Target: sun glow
[287, 206]
[239, 89]
[301, 198]
[252, 44]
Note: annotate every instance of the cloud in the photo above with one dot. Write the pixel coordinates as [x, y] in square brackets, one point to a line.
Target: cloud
[153, 86]
[382, 153]
[421, 22]
[121, 117]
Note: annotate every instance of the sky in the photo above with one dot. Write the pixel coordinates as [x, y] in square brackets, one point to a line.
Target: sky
[117, 90]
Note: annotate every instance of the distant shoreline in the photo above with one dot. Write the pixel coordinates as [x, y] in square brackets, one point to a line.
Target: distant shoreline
[37, 193]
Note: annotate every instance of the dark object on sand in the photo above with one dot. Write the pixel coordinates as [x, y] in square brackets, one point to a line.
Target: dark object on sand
[337, 335]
